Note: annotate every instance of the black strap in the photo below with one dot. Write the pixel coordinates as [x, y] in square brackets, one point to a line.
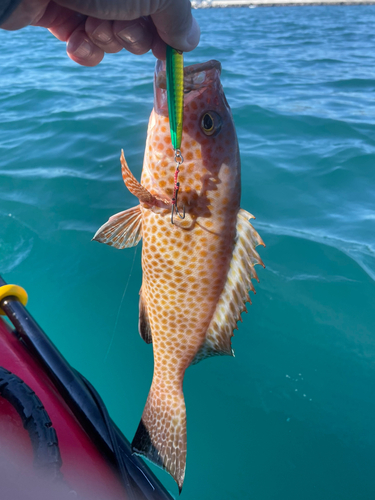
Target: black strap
[36, 421]
[7, 7]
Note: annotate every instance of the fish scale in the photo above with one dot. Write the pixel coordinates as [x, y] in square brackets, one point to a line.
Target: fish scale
[196, 272]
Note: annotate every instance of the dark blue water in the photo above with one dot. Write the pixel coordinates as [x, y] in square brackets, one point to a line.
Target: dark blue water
[291, 417]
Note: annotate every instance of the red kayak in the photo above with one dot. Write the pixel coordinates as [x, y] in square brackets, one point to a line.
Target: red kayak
[56, 436]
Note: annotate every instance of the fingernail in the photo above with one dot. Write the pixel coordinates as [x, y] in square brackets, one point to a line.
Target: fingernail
[102, 35]
[194, 34]
[132, 34]
[83, 50]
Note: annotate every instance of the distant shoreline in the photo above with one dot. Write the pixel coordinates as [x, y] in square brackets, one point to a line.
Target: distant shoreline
[211, 4]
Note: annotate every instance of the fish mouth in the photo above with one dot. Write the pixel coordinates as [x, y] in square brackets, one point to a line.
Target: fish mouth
[197, 78]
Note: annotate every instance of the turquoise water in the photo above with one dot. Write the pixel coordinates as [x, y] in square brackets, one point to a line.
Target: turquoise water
[291, 417]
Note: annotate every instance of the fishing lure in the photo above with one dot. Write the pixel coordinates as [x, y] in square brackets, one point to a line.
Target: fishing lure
[175, 94]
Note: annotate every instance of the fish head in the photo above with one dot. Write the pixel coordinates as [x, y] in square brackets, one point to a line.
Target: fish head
[210, 172]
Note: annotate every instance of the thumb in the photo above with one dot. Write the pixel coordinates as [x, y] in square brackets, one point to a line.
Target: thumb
[176, 25]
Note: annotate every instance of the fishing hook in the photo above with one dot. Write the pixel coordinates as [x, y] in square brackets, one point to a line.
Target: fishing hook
[179, 160]
[174, 204]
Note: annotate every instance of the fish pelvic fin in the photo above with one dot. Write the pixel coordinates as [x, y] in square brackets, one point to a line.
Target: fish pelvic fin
[144, 323]
[161, 434]
[136, 188]
[235, 293]
[123, 230]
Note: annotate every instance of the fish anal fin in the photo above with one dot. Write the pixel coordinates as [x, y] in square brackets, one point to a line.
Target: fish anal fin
[144, 323]
[235, 293]
[123, 230]
[161, 433]
[135, 187]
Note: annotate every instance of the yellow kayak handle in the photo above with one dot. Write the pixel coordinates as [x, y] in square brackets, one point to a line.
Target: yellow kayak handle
[13, 291]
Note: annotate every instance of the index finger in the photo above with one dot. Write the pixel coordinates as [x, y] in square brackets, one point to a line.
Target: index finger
[172, 18]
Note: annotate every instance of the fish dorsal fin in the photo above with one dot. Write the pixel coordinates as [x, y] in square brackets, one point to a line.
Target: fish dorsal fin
[133, 185]
[235, 293]
[144, 323]
[123, 230]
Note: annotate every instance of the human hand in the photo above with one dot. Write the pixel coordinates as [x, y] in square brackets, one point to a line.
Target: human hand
[94, 27]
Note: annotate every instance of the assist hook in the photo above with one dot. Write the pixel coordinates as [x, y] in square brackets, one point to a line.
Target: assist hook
[179, 160]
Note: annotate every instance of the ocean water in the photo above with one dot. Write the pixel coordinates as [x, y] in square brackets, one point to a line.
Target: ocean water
[291, 417]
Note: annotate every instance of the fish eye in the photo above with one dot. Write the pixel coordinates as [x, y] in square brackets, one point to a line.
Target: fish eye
[211, 123]
[207, 123]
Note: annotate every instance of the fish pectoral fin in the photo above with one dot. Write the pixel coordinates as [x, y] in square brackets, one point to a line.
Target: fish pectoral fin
[123, 230]
[144, 323]
[133, 185]
[161, 434]
[235, 293]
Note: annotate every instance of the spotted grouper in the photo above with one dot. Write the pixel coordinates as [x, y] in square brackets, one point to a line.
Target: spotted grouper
[197, 271]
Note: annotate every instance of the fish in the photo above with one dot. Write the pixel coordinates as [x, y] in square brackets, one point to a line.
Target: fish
[197, 272]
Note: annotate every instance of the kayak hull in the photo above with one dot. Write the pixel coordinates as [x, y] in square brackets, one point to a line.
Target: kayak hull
[83, 468]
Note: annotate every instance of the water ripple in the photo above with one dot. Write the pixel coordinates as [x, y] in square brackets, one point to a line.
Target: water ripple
[360, 252]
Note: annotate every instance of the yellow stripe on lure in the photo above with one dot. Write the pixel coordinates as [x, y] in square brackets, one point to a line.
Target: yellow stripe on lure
[175, 92]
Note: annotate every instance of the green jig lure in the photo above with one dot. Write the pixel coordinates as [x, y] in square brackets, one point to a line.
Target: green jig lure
[175, 94]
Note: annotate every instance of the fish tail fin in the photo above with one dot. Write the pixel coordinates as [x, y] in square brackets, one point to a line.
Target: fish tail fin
[161, 434]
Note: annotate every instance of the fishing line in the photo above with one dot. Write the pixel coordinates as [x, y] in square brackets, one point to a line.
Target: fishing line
[119, 309]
